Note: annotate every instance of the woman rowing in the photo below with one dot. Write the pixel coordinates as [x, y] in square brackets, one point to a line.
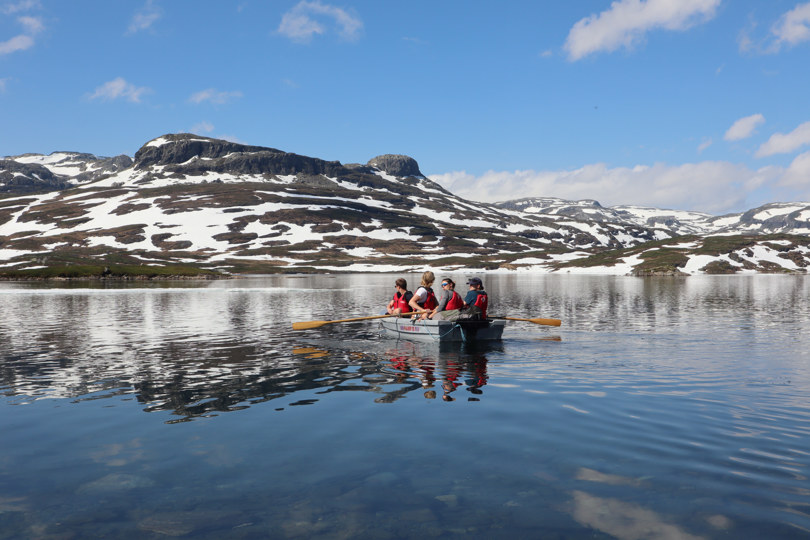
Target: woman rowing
[423, 299]
[402, 297]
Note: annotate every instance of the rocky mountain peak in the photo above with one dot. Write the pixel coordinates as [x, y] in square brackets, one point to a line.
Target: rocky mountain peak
[396, 165]
[174, 149]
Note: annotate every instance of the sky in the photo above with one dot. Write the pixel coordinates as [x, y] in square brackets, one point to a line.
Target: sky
[697, 105]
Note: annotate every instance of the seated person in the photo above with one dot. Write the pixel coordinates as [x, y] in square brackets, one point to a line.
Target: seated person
[399, 304]
[449, 301]
[476, 299]
[423, 299]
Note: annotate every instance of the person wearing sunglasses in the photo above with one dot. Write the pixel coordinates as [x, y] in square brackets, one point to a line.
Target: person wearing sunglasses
[449, 302]
[402, 296]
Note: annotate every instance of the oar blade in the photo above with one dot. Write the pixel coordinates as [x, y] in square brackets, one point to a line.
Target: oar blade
[547, 322]
[308, 325]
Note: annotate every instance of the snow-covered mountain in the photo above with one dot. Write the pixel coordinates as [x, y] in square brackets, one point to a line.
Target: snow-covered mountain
[790, 218]
[186, 199]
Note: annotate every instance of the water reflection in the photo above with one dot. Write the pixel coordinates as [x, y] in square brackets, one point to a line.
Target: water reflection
[457, 366]
[232, 376]
[662, 408]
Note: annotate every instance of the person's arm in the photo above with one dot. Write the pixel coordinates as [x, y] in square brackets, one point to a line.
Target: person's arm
[417, 296]
[445, 297]
[470, 298]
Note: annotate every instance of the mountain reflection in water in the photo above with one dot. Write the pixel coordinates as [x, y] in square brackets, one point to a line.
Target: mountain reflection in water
[662, 408]
[193, 379]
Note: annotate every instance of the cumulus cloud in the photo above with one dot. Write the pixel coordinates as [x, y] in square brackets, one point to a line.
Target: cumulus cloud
[17, 43]
[16, 7]
[144, 18]
[744, 127]
[785, 143]
[710, 186]
[797, 174]
[308, 18]
[119, 88]
[704, 145]
[212, 95]
[626, 23]
[31, 27]
[202, 127]
[792, 28]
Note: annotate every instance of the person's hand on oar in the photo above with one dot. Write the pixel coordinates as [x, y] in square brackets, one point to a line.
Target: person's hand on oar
[546, 322]
[308, 325]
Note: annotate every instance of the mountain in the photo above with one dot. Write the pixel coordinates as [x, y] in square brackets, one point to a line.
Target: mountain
[190, 202]
[773, 218]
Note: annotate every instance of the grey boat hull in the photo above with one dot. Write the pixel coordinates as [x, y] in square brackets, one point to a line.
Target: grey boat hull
[442, 331]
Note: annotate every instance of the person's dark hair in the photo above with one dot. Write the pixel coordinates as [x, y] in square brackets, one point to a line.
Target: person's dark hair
[450, 281]
[401, 283]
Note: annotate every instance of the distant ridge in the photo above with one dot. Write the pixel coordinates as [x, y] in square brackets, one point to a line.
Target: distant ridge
[199, 202]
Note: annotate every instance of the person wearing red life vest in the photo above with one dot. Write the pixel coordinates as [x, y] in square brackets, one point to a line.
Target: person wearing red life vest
[449, 301]
[423, 299]
[400, 303]
[477, 297]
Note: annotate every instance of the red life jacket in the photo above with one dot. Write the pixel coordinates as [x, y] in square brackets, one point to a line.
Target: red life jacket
[401, 303]
[430, 301]
[481, 302]
[455, 302]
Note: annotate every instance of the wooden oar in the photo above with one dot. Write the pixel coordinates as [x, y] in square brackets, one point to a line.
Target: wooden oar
[308, 325]
[546, 322]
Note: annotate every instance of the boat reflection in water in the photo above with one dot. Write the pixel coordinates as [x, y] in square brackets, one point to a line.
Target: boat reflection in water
[449, 368]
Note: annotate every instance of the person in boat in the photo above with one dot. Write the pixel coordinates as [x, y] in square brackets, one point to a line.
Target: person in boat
[476, 300]
[402, 297]
[449, 302]
[424, 300]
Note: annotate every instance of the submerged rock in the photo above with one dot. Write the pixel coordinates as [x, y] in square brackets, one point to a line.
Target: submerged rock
[182, 523]
[116, 482]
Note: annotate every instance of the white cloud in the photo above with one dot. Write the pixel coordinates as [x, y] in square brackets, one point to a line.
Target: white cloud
[626, 22]
[214, 96]
[231, 138]
[16, 7]
[119, 88]
[744, 127]
[798, 173]
[793, 27]
[202, 127]
[17, 43]
[3, 84]
[781, 143]
[32, 26]
[306, 18]
[704, 145]
[148, 15]
[709, 186]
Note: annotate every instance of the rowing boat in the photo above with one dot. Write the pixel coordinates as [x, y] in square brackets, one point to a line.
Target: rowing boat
[442, 331]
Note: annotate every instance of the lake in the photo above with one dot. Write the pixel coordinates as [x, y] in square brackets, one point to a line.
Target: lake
[662, 408]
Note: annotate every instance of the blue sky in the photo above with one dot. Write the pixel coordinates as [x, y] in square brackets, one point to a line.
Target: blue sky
[685, 104]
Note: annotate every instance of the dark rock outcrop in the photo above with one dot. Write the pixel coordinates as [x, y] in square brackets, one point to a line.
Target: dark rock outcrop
[28, 178]
[396, 165]
[191, 154]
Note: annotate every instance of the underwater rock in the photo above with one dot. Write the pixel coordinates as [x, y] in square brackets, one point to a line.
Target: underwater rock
[116, 482]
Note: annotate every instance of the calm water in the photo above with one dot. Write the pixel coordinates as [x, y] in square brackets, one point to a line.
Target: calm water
[662, 408]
